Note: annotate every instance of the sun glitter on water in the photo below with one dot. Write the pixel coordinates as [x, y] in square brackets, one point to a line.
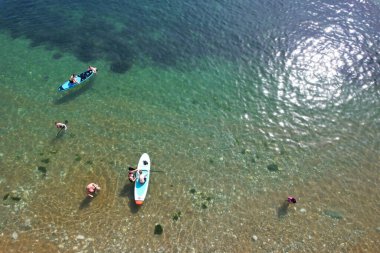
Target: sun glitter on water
[315, 65]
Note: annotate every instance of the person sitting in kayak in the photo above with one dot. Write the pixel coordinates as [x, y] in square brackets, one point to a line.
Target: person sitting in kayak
[73, 79]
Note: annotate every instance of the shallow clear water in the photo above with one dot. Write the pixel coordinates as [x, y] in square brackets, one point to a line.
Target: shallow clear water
[216, 93]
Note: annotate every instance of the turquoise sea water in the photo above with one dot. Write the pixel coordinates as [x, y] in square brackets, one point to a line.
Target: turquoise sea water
[218, 93]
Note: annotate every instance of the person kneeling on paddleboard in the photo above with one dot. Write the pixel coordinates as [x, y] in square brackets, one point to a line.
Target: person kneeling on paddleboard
[141, 177]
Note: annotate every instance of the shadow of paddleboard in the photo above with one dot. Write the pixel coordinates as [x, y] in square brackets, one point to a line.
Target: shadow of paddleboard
[74, 93]
[128, 191]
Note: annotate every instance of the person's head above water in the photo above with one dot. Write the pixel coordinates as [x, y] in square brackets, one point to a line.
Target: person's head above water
[292, 199]
[61, 125]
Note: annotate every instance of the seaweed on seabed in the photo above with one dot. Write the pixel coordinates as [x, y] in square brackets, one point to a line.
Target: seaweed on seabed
[177, 215]
[6, 196]
[162, 56]
[83, 53]
[272, 167]
[42, 169]
[120, 67]
[57, 56]
[78, 158]
[46, 160]
[158, 229]
[120, 55]
[201, 199]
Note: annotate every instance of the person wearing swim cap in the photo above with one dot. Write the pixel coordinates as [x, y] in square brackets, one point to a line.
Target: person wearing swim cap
[92, 189]
[292, 199]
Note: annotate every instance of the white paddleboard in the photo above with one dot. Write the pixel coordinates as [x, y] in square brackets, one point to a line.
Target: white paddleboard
[142, 189]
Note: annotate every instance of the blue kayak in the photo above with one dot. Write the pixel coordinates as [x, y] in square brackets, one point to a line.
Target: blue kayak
[81, 78]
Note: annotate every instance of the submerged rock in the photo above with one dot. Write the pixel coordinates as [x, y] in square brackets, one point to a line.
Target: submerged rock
[158, 229]
[201, 199]
[245, 151]
[272, 167]
[15, 195]
[177, 215]
[78, 158]
[27, 224]
[14, 236]
[57, 56]
[80, 237]
[46, 160]
[333, 214]
[6, 196]
[42, 169]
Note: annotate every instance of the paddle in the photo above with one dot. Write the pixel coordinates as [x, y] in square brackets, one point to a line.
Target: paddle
[157, 171]
[151, 170]
[59, 132]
